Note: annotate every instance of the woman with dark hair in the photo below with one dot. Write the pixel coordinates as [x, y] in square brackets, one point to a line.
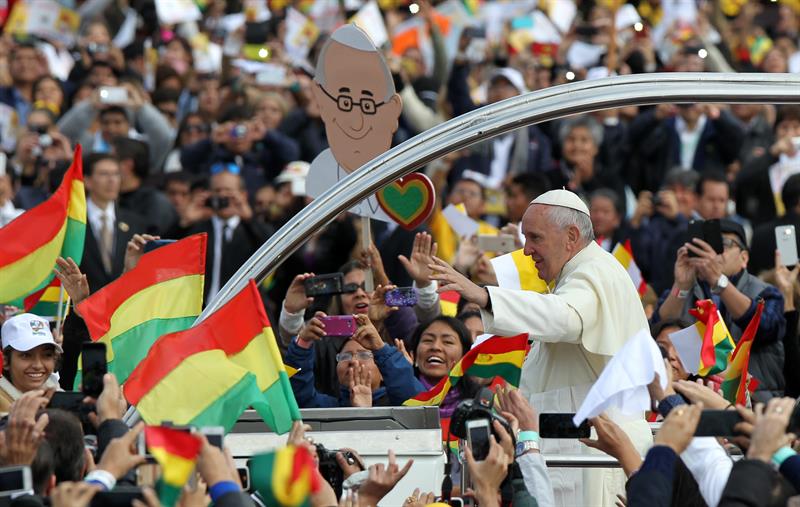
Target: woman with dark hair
[436, 346]
[192, 129]
[48, 93]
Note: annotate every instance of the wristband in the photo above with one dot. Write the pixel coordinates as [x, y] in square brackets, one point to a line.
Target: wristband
[528, 436]
[782, 455]
[680, 293]
[102, 478]
[221, 489]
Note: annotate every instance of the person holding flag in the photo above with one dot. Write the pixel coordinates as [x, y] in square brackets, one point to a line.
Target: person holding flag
[724, 279]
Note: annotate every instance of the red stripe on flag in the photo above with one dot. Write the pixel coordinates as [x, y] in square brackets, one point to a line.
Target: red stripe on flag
[182, 258]
[34, 298]
[706, 312]
[450, 296]
[40, 224]
[225, 329]
[175, 442]
[748, 336]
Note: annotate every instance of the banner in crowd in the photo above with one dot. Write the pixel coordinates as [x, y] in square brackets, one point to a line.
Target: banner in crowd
[284, 477]
[161, 295]
[517, 271]
[27, 260]
[498, 356]
[47, 19]
[717, 343]
[209, 374]
[623, 252]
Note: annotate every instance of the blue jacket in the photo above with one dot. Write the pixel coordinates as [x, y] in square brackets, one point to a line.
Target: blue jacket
[399, 382]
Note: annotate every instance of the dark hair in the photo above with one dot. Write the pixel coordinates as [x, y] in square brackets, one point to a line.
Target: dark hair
[165, 73]
[22, 45]
[185, 124]
[48, 77]
[334, 307]
[42, 468]
[65, 436]
[466, 386]
[92, 159]
[465, 316]
[790, 193]
[470, 180]
[712, 177]
[533, 184]
[165, 95]
[126, 148]
[180, 177]
[658, 327]
[114, 110]
[235, 112]
[787, 112]
[612, 196]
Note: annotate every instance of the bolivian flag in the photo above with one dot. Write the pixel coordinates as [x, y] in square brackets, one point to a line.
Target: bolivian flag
[717, 342]
[735, 385]
[45, 302]
[285, 477]
[496, 357]
[161, 295]
[623, 252]
[448, 302]
[517, 271]
[176, 452]
[30, 244]
[209, 374]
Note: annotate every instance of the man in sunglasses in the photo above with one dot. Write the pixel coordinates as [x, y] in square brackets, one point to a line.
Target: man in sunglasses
[360, 108]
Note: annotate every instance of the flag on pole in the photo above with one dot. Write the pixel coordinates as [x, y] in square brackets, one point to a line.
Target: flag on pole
[209, 374]
[161, 295]
[285, 477]
[176, 452]
[31, 243]
[448, 301]
[717, 342]
[46, 302]
[498, 356]
[735, 385]
[624, 254]
[517, 271]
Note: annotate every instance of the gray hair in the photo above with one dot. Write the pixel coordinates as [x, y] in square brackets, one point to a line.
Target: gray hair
[563, 217]
[353, 37]
[585, 121]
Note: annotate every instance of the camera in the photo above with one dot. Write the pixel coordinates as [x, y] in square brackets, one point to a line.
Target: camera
[94, 48]
[329, 468]
[217, 203]
[481, 407]
[239, 131]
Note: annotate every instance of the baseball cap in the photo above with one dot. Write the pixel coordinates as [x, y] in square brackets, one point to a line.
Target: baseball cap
[295, 173]
[727, 225]
[27, 331]
[513, 76]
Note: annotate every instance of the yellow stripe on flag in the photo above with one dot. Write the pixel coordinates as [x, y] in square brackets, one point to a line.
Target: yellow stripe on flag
[156, 302]
[514, 357]
[258, 358]
[189, 381]
[32, 269]
[76, 209]
[175, 470]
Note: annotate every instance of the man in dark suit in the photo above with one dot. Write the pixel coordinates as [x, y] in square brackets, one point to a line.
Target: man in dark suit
[234, 234]
[109, 228]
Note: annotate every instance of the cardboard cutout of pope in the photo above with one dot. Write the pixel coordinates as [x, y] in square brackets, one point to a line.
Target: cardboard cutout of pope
[360, 108]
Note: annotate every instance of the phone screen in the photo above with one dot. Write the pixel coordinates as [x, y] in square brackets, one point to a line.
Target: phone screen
[712, 234]
[561, 426]
[70, 401]
[478, 437]
[94, 367]
[695, 231]
[13, 479]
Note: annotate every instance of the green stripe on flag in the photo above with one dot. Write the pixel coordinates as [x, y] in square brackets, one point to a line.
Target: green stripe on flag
[510, 372]
[225, 410]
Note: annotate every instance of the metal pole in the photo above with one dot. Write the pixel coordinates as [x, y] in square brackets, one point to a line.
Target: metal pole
[496, 119]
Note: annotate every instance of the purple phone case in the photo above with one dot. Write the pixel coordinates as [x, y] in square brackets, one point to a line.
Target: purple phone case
[339, 325]
[402, 296]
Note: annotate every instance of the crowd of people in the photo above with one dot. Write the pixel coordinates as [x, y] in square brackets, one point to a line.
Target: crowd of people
[177, 143]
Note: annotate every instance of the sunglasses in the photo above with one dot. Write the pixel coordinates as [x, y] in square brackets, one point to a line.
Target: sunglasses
[350, 288]
[225, 166]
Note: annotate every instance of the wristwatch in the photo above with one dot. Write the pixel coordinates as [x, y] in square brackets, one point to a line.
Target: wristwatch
[524, 447]
[721, 284]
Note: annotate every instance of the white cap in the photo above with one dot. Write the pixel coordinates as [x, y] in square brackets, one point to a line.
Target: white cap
[513, 76]
[295, 173]
[563, 198]
[27, 331]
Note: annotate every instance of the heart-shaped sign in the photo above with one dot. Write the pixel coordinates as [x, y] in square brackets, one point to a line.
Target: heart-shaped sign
[409, 200]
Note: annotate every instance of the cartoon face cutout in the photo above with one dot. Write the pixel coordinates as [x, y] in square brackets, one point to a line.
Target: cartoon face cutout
[356, 99]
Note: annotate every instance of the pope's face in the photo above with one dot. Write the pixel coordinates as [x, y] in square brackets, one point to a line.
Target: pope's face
[547, 244]
[359, 121]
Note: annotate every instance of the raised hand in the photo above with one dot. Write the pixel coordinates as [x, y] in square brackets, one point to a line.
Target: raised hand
[21, 438]
[312, 331]
[296, 299]
[367, 335]
[378, 311]
[450, 279]
[360, 384]
[71, 278]
[614, 442]
[135, 249]
[382, 479]
[401, 346]
[422, 253]
[769, 430]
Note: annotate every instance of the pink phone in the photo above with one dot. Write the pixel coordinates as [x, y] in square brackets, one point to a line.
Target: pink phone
[339, 325]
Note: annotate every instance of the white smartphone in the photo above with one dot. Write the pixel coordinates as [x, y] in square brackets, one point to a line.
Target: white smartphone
[15, 481]
[478, 432]
[501, 244]
[215, 435]
[113, 95]
[786, 242]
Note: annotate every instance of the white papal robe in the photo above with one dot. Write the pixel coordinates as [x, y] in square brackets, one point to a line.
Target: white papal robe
[592, 310]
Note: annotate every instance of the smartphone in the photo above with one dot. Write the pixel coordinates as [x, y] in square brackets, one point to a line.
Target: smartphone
[695, 231]
[796, 143]
[94, 367]
[15, 481]
[215, 435]
[454, 501]
[786, 242]
[71, 401]
[717, 423]
[502, 244]
[555, 425]
[113, 95]
[244, 477]
[401, 296]
[478, 432]
[117, 498]
[712, 234]
[157, 243]
[339, 325]
[324, 285]
[217, 203]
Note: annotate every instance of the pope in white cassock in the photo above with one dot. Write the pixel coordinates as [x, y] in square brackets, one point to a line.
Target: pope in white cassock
[576, 329]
